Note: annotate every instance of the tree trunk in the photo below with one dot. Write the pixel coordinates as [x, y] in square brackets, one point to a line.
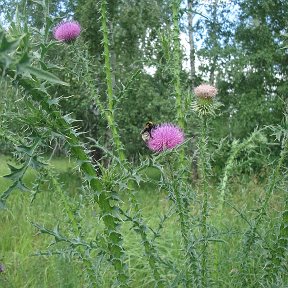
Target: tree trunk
[191, 42]
[215, 44]
[192, 74]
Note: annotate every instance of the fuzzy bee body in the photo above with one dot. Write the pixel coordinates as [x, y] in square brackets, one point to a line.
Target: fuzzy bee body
[146, 132]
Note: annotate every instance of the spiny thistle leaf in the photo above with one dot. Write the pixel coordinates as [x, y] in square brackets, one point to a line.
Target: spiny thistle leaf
[41, 74]
[28, 150]
[35, 163]
[205, 107]
[6, 194]
[6, 45]
[17, 184]
[21, 186]
[15, 173]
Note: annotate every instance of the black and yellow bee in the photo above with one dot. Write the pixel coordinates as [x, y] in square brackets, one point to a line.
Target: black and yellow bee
[146, 132]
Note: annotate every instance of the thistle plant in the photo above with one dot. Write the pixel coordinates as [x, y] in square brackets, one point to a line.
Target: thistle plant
[257, 137]
[277, 263]
[110, 191]
[134, 217]
[204, 106]
[62, 126]
[180, 197]
[205, 103]
[164, 140]
[138, 220]
[277, 252]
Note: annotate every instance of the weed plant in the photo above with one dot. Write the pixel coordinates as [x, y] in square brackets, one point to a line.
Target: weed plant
[114, 223]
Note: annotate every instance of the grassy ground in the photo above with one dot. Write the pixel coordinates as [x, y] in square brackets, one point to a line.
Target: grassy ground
[19, 240]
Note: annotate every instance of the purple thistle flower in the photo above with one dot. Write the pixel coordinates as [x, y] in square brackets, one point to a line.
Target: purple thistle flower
[165, 136]
[205, 91]
[2, 268]
[67, 31]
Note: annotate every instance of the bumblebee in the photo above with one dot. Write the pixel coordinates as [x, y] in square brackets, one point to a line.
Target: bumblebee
[146, 132]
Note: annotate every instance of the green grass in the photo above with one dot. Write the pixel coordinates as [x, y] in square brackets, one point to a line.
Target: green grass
[19, 240]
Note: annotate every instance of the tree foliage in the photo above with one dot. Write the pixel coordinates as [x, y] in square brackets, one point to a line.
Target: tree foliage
[239, 47]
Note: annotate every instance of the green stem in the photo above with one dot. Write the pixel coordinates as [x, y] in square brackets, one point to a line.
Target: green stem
[204, 209]
[275, 175]
[183, 213]
[150, 249]
[276, 261]
[110, 114]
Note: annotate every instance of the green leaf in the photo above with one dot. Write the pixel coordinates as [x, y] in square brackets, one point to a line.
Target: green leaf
[44, 75]
[7, 193]
[21, 186]
[24, 61]
[46, 47]
[54, 101]
[15, 174]
[28, 150]
[8, 46]
[41, 3]
[115, 237]
[35, 163]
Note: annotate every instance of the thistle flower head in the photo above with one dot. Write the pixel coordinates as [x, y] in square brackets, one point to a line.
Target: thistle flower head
[67, 31]
[205, 103]
[205, 91]
[165, 136]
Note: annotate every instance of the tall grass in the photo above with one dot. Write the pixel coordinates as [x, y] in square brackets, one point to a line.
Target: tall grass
[20, 240]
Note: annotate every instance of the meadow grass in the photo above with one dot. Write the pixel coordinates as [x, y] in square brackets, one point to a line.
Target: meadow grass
[19, 239]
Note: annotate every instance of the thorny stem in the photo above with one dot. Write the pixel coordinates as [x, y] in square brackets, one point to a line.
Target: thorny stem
[73, 221]
[116, 138]
[180, 119]
[277, 256]
[204, 212]
[149, 247]
[270, 190]
[110, 114]
[182, 212]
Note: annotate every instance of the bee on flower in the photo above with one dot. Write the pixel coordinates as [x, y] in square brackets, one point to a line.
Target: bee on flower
[162, 137]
